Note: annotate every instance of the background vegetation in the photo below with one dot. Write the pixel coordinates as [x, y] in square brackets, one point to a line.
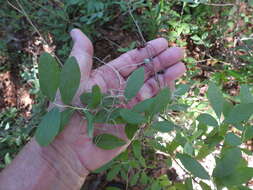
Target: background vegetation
[218, 38]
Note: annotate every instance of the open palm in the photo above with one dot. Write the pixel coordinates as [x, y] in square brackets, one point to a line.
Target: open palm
[112, 78]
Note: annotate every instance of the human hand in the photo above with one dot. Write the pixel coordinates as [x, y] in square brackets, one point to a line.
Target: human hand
[110, 78]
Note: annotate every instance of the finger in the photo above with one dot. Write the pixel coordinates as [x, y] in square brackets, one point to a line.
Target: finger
[163, 61]
[83, 51]
[151, 86]
[128, 62]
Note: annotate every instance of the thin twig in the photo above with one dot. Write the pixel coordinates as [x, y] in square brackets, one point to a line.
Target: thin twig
[111, 67]
[135, 22]
[219, 5]
[22, 11]
[175, 160]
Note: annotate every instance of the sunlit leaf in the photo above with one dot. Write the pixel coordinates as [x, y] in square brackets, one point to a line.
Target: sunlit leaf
[49, 75]
[108, 141]
[134, 83]
[69, 80]
[49, 127]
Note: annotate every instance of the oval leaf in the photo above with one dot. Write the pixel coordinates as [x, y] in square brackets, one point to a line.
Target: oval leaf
[65, 117]
[49, 75]
[108, 141]
[245, 94]
[113, 173]
[132, 117]
[90, 123]
[144, 106]
[96, 96]
[215, 98]
[207, 120]
[161, 100]
[69, 80]
[49, 127]
[163, 126]
[130, 130]
[134, 83]
[241, 112]
[193, 166]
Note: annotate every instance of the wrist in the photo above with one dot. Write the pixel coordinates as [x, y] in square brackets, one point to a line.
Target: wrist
[63, 163]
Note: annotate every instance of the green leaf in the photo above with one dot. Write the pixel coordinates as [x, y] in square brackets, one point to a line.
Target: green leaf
[248, 133]
[65, 117]
[144, 178]
[188, 148]
[241, 112]
[144, 106]
[245, 94]
[130, 130]
[113, 173]
[134, 83]
[193, 166]
[250, 3]
[207, 120]
[111, 117]
[112, 188]
[204, 186]
[188, 184]
[161, 101]
[240, 176]
[168, 162]
[230, 159]
[104, 167]
[69, 80]
[108, 141]
[49, 75]
[232, 140]
[96, 96]
[163, 126]
[86, 98]
[134, 179]
[90, 123]
[227, 107]
[49, 127]
[179, 107]
[155, 186]
[136, 148]
[215, 98]
[132, 117]
[181, 90]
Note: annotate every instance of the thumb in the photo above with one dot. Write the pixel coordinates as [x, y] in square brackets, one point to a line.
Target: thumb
[83, 52]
